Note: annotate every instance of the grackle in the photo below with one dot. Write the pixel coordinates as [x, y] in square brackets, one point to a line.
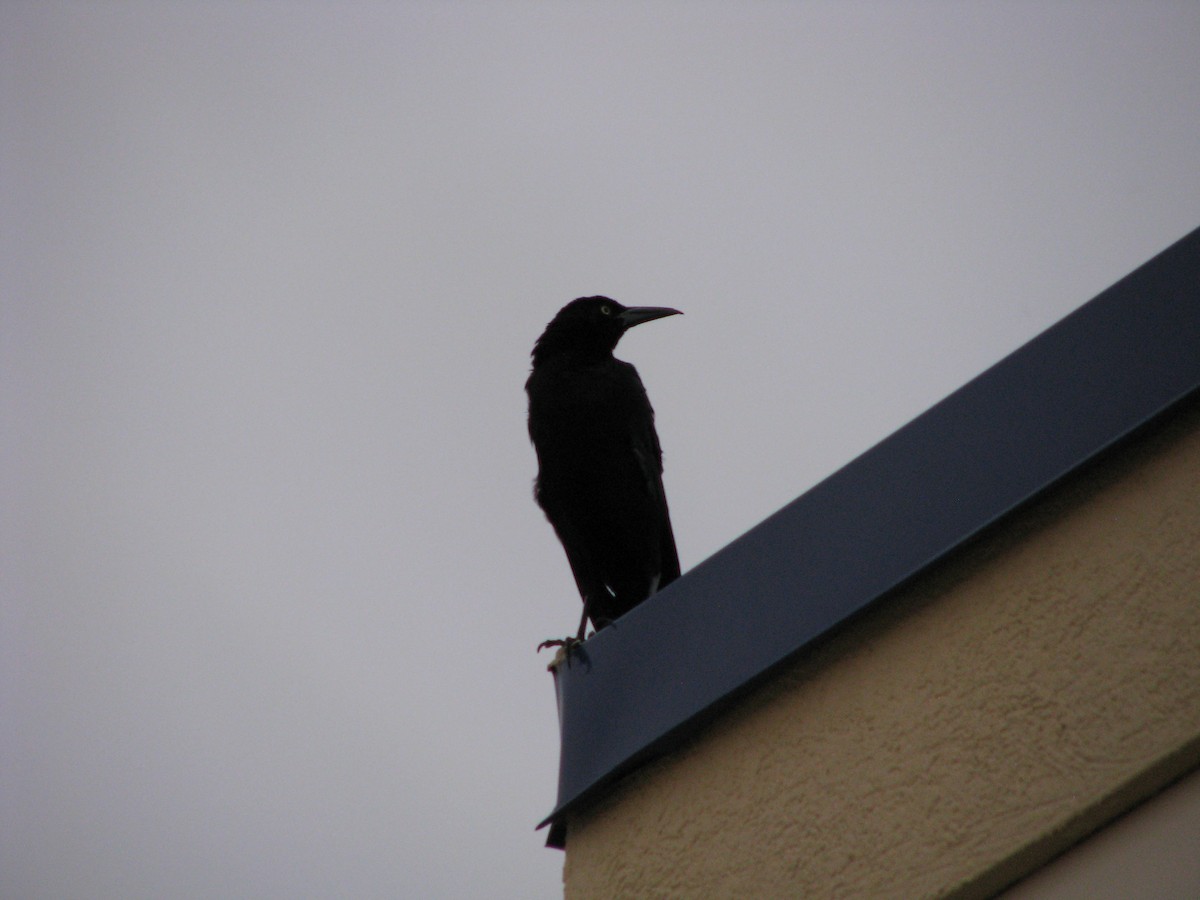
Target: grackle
[599, 476]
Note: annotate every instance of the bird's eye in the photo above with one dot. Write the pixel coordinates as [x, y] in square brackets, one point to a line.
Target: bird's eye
[606, 310]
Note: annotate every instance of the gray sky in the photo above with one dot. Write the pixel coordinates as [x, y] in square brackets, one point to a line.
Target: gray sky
[272, 575]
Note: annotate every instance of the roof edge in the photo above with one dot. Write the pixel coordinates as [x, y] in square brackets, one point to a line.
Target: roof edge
[1085, 384]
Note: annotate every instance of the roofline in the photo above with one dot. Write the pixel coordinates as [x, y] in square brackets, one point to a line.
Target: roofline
[639, 687]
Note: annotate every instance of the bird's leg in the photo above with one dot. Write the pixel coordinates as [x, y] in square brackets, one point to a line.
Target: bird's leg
[582, 623]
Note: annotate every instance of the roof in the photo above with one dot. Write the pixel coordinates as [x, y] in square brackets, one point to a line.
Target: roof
[642, 686]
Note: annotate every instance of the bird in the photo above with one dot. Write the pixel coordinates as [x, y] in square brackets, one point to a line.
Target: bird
[599, 479]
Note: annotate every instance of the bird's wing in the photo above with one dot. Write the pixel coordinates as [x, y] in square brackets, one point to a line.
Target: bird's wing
[648, 452]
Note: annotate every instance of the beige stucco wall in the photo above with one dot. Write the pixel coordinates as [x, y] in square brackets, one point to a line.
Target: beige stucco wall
[1009, 702]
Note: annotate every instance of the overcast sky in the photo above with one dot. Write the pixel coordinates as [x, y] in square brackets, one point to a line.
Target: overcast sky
[270, 272]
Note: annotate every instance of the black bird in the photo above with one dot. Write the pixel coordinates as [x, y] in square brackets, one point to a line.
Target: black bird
[599, 461]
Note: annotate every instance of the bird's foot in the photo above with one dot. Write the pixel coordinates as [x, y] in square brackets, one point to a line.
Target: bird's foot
[566, 643]
[568, 647]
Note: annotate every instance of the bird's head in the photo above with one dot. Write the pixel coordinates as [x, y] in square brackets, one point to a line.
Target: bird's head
[592, 326]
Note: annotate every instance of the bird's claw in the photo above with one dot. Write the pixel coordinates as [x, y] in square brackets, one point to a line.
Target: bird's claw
[565, 643]
[568, 647]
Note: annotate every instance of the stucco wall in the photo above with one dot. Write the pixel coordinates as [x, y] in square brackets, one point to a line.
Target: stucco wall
[1007, 703]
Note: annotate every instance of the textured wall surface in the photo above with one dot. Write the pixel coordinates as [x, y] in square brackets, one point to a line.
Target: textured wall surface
[1010, 701]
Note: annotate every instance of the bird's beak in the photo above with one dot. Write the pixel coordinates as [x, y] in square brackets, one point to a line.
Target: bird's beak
[636, 315]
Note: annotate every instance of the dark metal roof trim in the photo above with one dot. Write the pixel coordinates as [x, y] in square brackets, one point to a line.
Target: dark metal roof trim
[1082, 385]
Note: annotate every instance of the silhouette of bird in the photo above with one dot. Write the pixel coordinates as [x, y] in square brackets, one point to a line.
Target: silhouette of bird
[599, 476]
